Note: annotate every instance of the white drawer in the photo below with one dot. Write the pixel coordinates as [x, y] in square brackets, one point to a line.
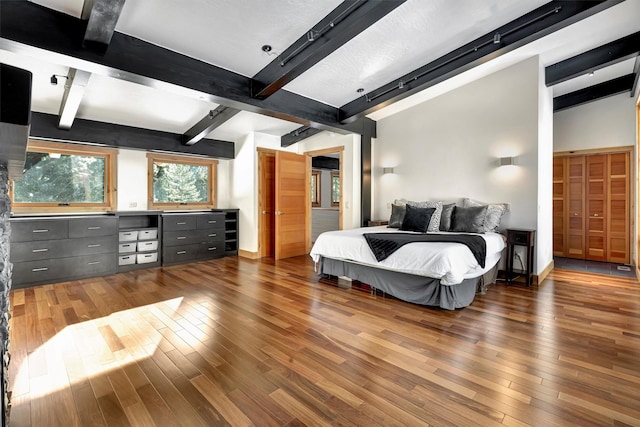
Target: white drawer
[146, 258]
[128, 236]
[123, 248]
[151, 245]
[148, 234]
[126, 259]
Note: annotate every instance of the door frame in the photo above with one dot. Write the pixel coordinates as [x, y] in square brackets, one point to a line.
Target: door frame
[339, 150]
[261, 153]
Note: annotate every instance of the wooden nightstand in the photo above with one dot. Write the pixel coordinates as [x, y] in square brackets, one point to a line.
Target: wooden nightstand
[520, 237]
[377, 222]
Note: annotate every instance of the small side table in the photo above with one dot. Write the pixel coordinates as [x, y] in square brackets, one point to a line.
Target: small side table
[520, 237]
[377, 222]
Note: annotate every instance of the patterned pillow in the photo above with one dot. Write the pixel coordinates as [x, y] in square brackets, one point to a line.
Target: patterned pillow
[434, 224]
[468, 220]
[494, 212]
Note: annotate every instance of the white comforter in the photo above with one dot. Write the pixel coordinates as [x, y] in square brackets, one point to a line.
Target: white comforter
[449, 262]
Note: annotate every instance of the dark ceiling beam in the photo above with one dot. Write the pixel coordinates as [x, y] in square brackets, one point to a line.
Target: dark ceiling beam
[636, 72]
[45, 126]
[211, 121]
[345, 22]
[543, 21]
[594, 59]
[103, 18]
[593, 93]
[77, 81]
[298, 135]
[57, 37]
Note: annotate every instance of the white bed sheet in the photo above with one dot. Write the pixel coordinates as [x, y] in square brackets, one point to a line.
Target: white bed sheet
[449, 262]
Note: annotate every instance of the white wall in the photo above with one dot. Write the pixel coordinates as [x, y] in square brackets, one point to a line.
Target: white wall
[608, 122]
[448, 148]
[544, 233]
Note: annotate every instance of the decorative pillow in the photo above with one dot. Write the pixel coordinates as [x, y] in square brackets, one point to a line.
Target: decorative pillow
[494, 212]
[434, 225]
[445, 219]
[417, 219]
[469, 220]
[397, 216]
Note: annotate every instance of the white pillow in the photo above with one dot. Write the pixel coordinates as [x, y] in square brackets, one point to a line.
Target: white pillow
[494, 213]
[434, 223]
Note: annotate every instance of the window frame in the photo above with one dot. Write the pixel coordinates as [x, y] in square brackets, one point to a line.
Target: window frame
[212, 164]
[110, 156]
[318, 193]
[336, 174]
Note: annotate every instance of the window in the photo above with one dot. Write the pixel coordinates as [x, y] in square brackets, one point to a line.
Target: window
[61, 177]
[315, 188]
[335, 188]
[180, 182]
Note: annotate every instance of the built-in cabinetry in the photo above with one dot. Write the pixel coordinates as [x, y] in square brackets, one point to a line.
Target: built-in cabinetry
[62, 248]
[139, 240]
[591, 206]
[57, 248]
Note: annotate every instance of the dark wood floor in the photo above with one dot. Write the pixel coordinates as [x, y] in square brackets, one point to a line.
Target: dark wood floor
[240, 342]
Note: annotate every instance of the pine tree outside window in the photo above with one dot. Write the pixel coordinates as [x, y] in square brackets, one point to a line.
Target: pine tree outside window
[180, 182]
[335, 188]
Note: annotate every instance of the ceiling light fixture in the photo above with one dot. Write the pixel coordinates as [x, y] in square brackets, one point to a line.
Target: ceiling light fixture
[266, 48]
[495, 39]
[314, 34]
[54, 78]
[590, 74]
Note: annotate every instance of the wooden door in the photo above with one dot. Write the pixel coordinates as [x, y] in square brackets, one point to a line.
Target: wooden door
[292, 204]
[560, 206]
[596, 198]
[267, 202]
[575, 223]
[618, 214]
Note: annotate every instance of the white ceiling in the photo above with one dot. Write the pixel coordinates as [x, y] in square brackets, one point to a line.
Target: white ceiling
[229, 34]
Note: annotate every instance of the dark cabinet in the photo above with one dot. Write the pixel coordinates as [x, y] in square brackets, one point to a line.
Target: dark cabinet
[192, 236]
[520, 237]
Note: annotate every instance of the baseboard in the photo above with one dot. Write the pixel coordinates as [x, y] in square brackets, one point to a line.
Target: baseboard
[543, 274]
[247, 254]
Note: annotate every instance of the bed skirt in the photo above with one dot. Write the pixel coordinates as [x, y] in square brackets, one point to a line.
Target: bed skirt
[411, 288]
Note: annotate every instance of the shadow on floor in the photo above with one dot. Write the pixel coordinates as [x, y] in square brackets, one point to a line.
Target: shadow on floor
[595, 267]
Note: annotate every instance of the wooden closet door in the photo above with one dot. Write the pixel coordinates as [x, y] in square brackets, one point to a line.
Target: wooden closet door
[575, 242]
[560, 205]
[618, 226]
[293, 209]
[596, 223]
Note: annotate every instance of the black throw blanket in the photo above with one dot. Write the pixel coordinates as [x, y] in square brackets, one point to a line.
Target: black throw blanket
[384, 244]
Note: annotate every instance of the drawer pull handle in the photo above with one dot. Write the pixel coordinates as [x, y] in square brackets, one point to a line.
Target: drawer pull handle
[40, 250]
[94, 228]
[213, 249]
[181, 223]
[94, 246]
[39, 269]
[181, 252]
[212, 221]
[42, 230]
[212, 235]
[94, 262]
[181, 237]
[127, 234]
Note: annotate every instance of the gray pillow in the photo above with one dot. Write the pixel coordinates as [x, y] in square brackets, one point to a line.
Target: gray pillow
[445, 218]
[397, 216]
[494, 213]
[434, 224]
[468, 220]
[417, 219]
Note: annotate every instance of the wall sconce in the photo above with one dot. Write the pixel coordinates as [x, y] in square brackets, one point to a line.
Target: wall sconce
[387, 170]
[507, 161]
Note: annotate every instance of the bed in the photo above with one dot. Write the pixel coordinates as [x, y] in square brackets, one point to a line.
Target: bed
[441, 274]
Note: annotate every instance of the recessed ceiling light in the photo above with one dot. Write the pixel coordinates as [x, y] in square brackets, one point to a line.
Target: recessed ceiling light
[360, 90]
[590, 74]
[266, 48]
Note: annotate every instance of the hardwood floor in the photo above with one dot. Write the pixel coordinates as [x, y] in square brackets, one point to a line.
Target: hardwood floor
[241, 342]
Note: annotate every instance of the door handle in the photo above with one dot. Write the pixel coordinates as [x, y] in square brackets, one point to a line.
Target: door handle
[265, 212]
[279, 213]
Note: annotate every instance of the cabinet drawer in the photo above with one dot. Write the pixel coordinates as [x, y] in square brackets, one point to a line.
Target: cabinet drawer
[148, 234]
[151, 245]
[32, 230]
[519, 238]
[213, 250]
[64, 248]
[128, 236]
[126, 259]
[185, 253]
[50, 270]
[147, 258]
[127, 247]
[211, 220]
[179, 222]
[180, 238]
[86, 227]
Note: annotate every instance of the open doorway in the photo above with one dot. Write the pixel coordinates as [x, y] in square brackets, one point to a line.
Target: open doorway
[326, 190]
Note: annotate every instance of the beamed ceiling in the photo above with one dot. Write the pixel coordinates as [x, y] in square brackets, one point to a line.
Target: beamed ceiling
[199, 74]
